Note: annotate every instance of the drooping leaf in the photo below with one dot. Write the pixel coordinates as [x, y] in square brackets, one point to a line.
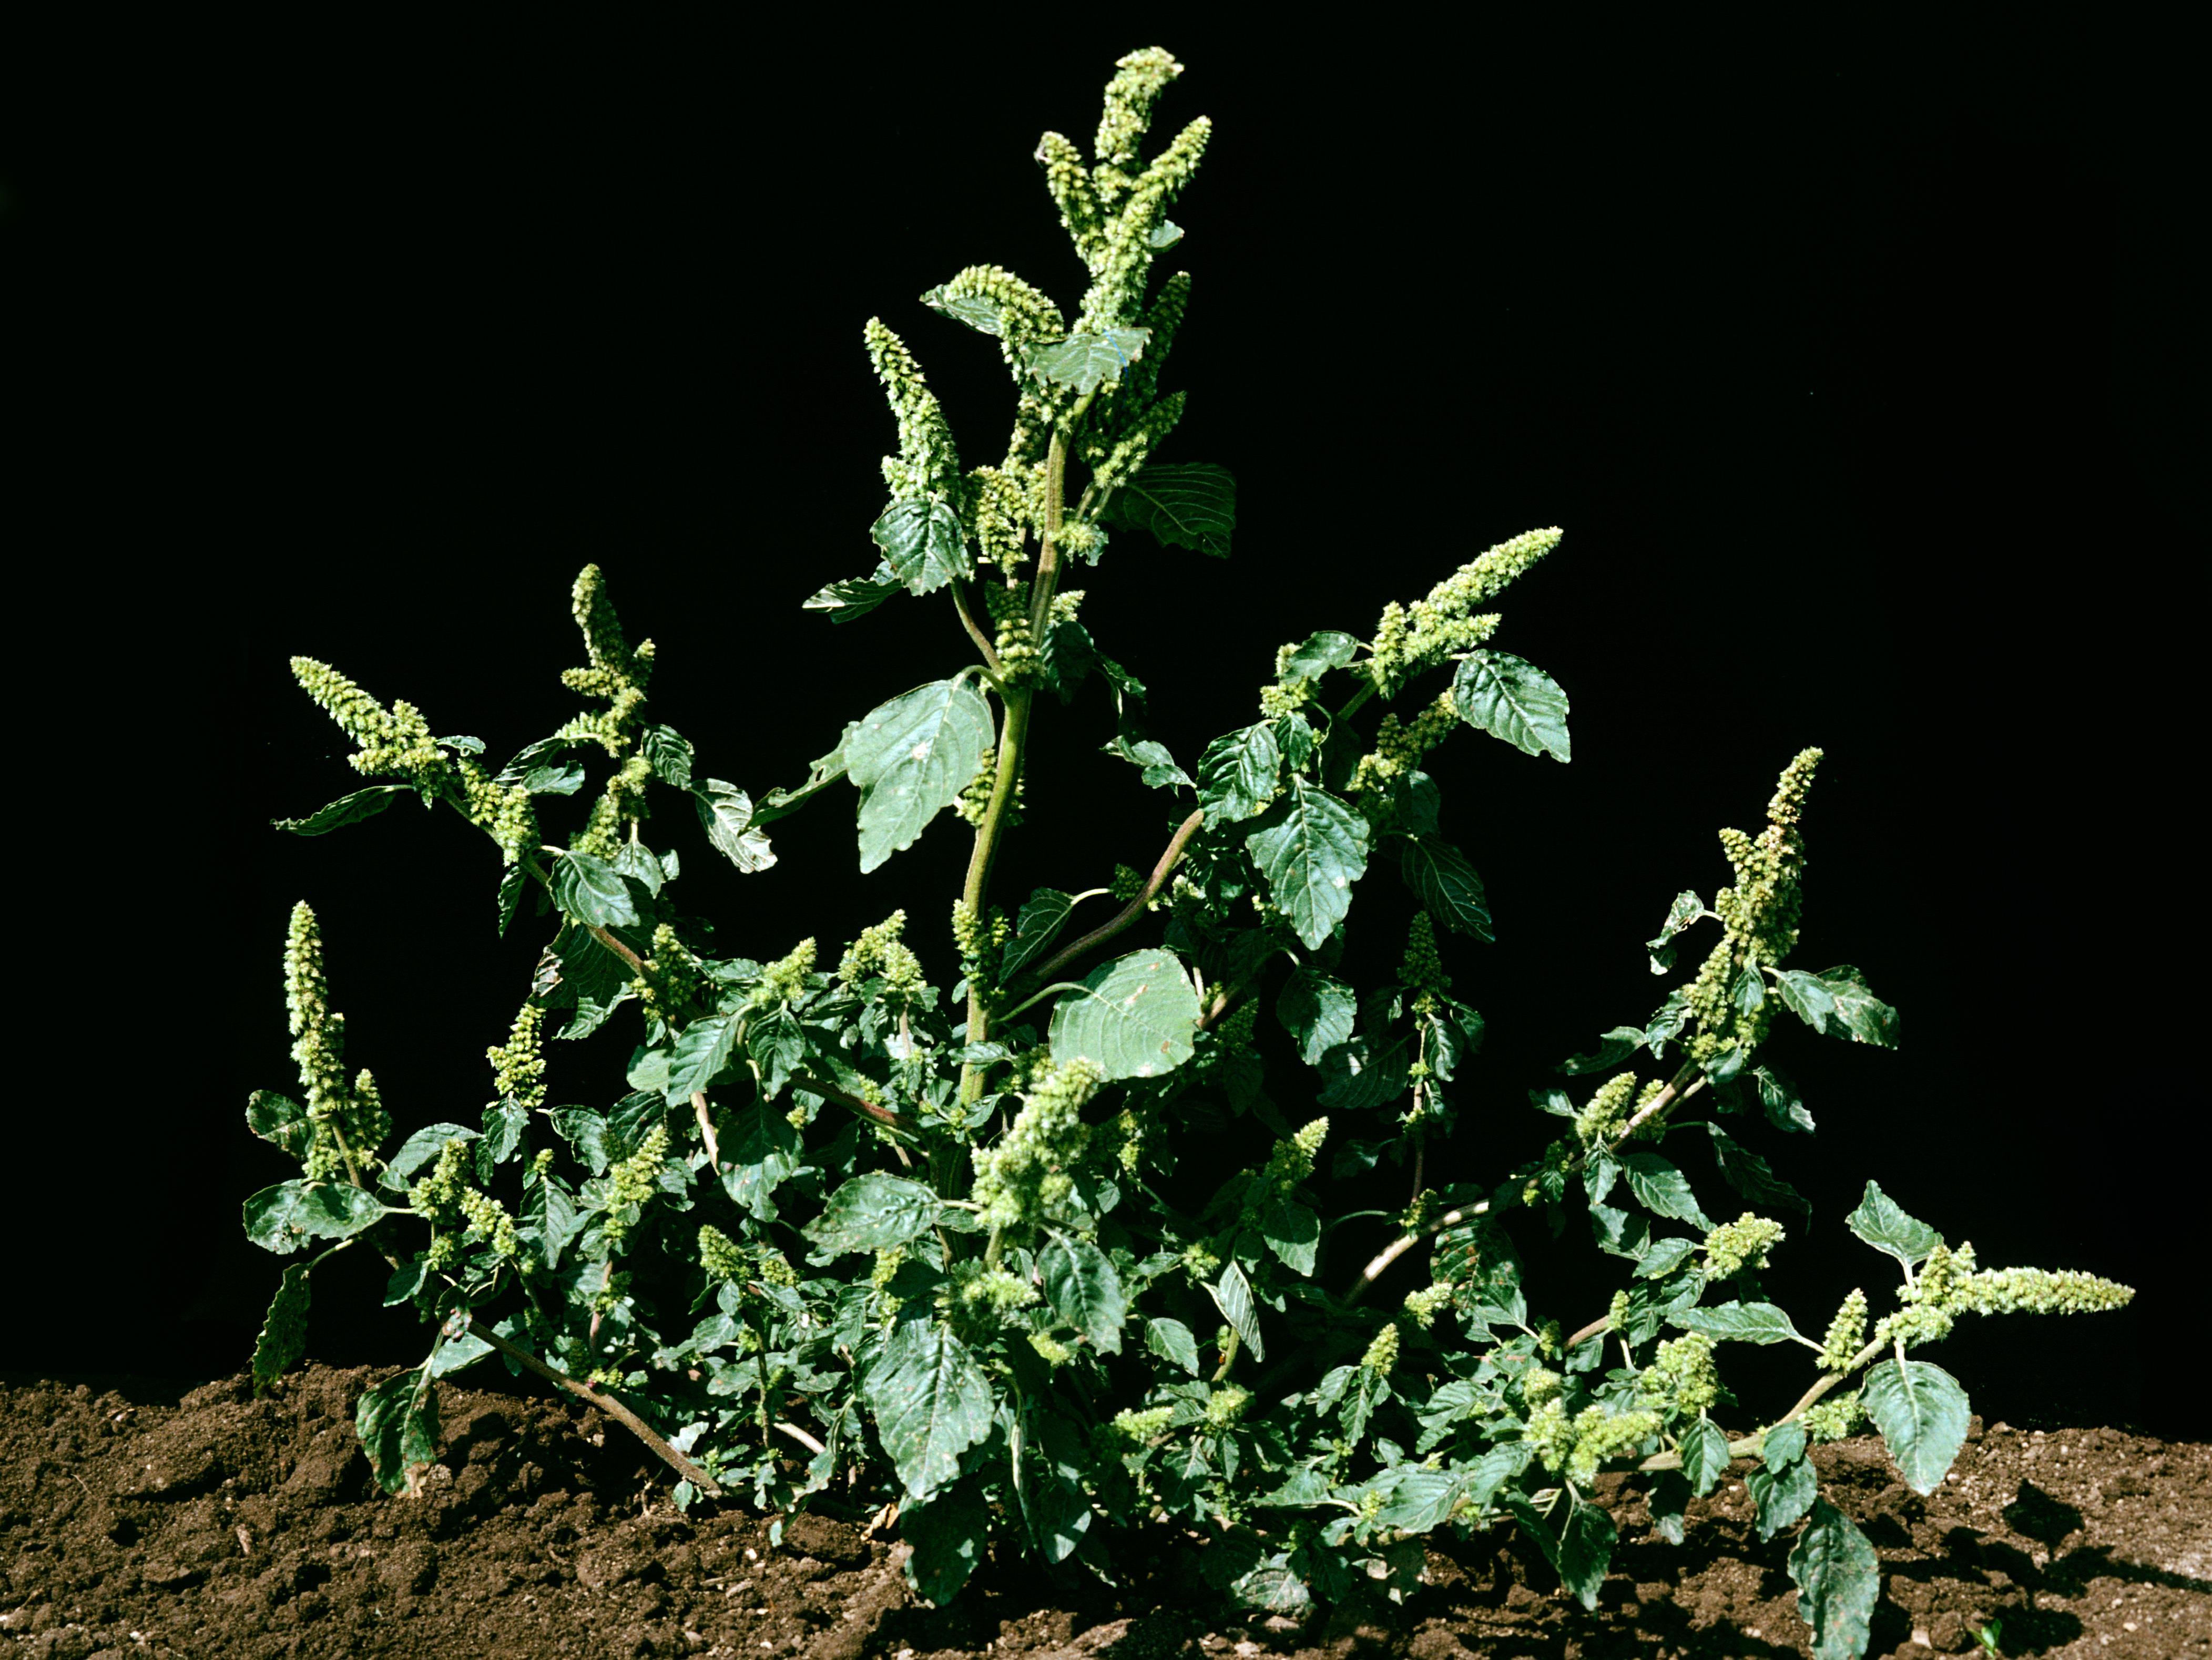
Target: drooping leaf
[454, 1352]
[855, 598]
[726, 813]
[1612, 1048]
[1316, 1010]
[278, 1119]
[1586, 1541]
[1838, 1580]
[1292, 1232]
[1311, 848]
[1449, 889]
[1237, 774]
[873, 1212]
[1751, 1175]
[1082, 361]
[1740, 1322]
[576, 971]
[1190, 504]
[931, 1403]
[1049, 1456]
[911, 758]
[1662, 1188]
[592, 891]
[1778, 1096]
[1922, 1412]
[283, 1336]
[761, 1155]
[397, 1423]
[669, 754]
[1780, 1497]
[1514, 700]
[1084, 1289]
[419, 1148]
[922, 543]
[1836, 1001]
[1042, 916]
[1134, 1017]
[1705, 1455]
[346, 809]
[1233, 1296]
[1882, 1224]
[585, 1130]
[1153, 760]
[702, 1052]
[1687, 909]
[1172, 1340]
[283, 1218]
[1327, 649]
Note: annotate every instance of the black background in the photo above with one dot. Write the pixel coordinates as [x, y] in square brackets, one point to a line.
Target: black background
[1844, 356]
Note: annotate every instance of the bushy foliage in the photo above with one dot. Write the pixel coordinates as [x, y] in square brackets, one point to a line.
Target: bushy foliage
[897, 1223]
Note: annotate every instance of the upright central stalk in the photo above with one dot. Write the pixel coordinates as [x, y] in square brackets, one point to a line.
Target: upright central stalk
[1019, 697]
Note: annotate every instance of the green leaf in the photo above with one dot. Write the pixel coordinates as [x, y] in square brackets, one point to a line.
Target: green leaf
[1134, 1017]
[922, 543]
[397, 1423]
[845, 600]
[1751, 1175]
[1880, 1222]
[576, 971]
[593, 892]
[549, 1218]
[454, 1352]
[1448, 885]
[1311, 848]
[1663, 1258]
[503, 1124]
[1292, 1230]
[1781, 1496]
[1158, 764]
[278, 1119]
[283, 1218]
[1084, 1290]
[283, 1336]
[949, 1534]
[1514, 700]
[931, 1403]
[1233, 1296]
[668, 753]
[1236, 775]
[1704, 1455]
[1836, 1003]
[1614, 1047]
[1083, 360]
[726, 813]
[1782, 1446]
[1043, 917]
[1322, 652]
[1049, 1455]
[1687, 909]
[1838, 1580]
[346, 809]
[759, 1158]
[1171, 1340]
[1192, 503]
[419, 1148]
[1662, 1188]
[911, 758]
[873, 1212]
[1316, 1010]
[1586, 1542]
[702, 1052]
[585, 1130]
[406, 1280]
[1778, 1096]
[1922, 1412]
[1740, 1322]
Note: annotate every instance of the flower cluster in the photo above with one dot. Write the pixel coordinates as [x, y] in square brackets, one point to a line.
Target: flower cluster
[1577, 1446]
[1759, 914]
[1290, 1163]
[504, 810]
[1115, 218]
[517, 1065]
[1733, 1246]
[1026, 1178]
[394, 742]
[1846, 1334]
[1423, 1306]
[1683, 1376]
[1422, 968]
[346, 1123]
[615, 672]
[1410, 639]
[719, 1255]
[926, 464]
[631, 1183]
[1002, 516]
[2038, 1291]
[1833, 1419]
[1009, 606]
[1607, 1110]
[785, 979]
[1025, 315]
[1398, 750]
[881, 953]
[1381, 1351]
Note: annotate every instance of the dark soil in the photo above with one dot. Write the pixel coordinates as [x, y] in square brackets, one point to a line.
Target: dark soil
[133, 1524]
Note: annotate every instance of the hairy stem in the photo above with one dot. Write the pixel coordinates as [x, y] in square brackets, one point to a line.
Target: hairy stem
[974, 632]
[1135, 908]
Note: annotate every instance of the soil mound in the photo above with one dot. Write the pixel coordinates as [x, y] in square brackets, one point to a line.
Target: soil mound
[134, 1523]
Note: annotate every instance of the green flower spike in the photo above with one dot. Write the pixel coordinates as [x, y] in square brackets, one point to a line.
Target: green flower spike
[617, 673]
[928, 464]
[1733, 1246]
[346, 1123]
[1025, 1178]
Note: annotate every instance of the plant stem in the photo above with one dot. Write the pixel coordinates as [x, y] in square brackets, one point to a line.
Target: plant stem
[606, 1403]
[706, 1128]
[1751, 1446]
[974, 632]
[1135, 908]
